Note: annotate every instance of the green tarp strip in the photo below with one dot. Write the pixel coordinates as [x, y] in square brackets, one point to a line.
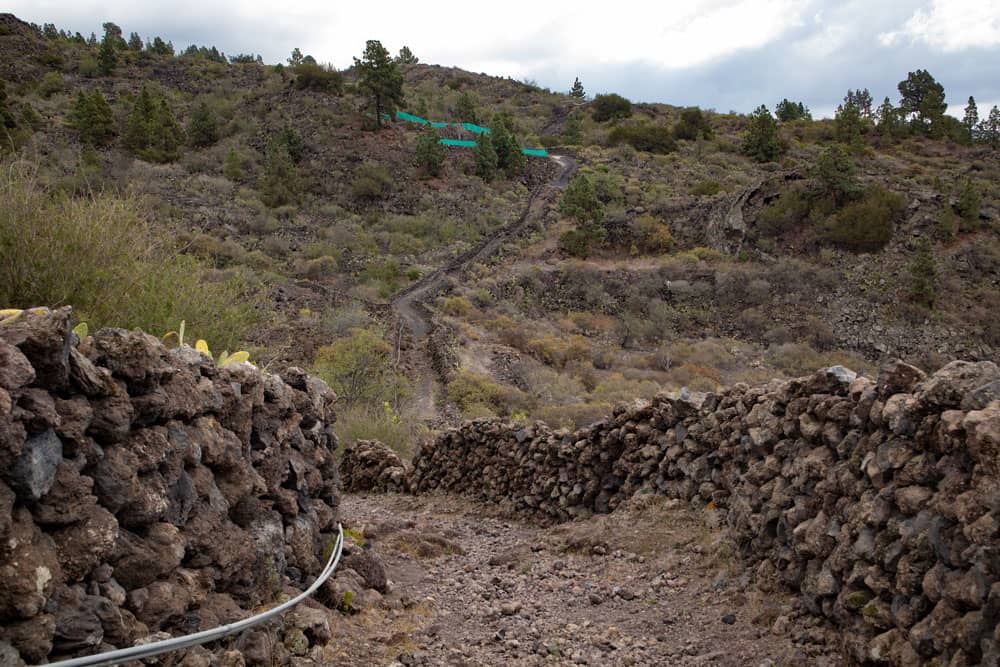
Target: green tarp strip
[438, 123]
[457, 142]
[476, 129]
[465, 143]
[402, 115]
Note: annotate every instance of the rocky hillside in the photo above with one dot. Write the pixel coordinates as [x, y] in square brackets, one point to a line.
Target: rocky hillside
[875, 500]
[707, 267]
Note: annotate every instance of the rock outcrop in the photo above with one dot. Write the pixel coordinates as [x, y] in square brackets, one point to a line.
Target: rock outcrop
[878, 501]
[144, 490]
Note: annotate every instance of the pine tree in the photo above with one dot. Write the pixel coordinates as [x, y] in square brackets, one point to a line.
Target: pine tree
[968, 205]
[203, 128]
[430, 152]
[923, 274]
[406, 57]
[787, 111]
[486, 158]
[577, 90]
[280, 185]
[233, 166]
[760, 140]
[159, 47]
[138, 129]
[296, 58]
[922, 98]
[989, 128]
[168, 135]
[93, 117]
[380, 78]
[134, 42]
[509, 156]
[848, 125]
[834, 177]
[107, 57]
[971, 120]
[572, 131]
[466, 108]
[887, 119]
[152, 131]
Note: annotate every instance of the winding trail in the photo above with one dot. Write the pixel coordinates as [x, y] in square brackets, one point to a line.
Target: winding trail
[409, 304]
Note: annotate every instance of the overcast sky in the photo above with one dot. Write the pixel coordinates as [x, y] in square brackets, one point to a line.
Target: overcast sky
[719, 54]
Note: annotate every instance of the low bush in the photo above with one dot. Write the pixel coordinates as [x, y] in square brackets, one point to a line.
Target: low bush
[706, 188]
[558, 351]
[311, 76]
[360, 368]
[478, 394]
[456, 306]
[371, 183]
[866, 225]
[609, 107]
[101, 256]
[648, 137]
[382, 423]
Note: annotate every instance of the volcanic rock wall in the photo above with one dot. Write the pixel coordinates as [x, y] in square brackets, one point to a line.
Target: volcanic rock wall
[145, 490]
[879, 501]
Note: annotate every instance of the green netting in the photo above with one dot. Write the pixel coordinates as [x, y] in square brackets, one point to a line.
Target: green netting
[438, 123]
[539, 152]
[476, 129]
[457, 142]
[401, 115]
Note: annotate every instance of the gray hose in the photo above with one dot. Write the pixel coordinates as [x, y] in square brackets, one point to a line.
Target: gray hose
[175, 643]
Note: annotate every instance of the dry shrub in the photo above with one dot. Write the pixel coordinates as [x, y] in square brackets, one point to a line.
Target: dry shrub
[557, 351]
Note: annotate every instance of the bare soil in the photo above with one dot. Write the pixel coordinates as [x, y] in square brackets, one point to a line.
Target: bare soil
[655, 583]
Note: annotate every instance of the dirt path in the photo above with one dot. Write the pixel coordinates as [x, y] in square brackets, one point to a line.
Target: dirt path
[409, 305]
[652, 584]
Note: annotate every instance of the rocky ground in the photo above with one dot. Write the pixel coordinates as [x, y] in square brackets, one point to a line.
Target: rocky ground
[653, 584]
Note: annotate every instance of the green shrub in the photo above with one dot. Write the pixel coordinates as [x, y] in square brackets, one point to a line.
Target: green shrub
[457, 306]
[558, 352]
[312, 76]
[647, 137]
[706, 188]
[580, 201]
[609, 107]
[203, 128]
[866, 225]
[371, 183]
[87, 67]
[760, 139]
[360, 368]
[968, 205]
[692, 125]
[100, 255]
[51, 84]
[784, 213]
[652, 236]
[430, 153]
[280, 185]
[233, 166]
[473, 393]
[375, 422]
[923, 274]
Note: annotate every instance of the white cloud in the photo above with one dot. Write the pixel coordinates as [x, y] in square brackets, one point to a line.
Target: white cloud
[951, 25]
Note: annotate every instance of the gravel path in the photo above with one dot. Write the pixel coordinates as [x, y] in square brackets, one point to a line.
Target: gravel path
[652, 584]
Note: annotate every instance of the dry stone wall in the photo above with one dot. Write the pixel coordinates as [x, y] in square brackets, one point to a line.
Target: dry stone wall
[877, 500]
[145, 490]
